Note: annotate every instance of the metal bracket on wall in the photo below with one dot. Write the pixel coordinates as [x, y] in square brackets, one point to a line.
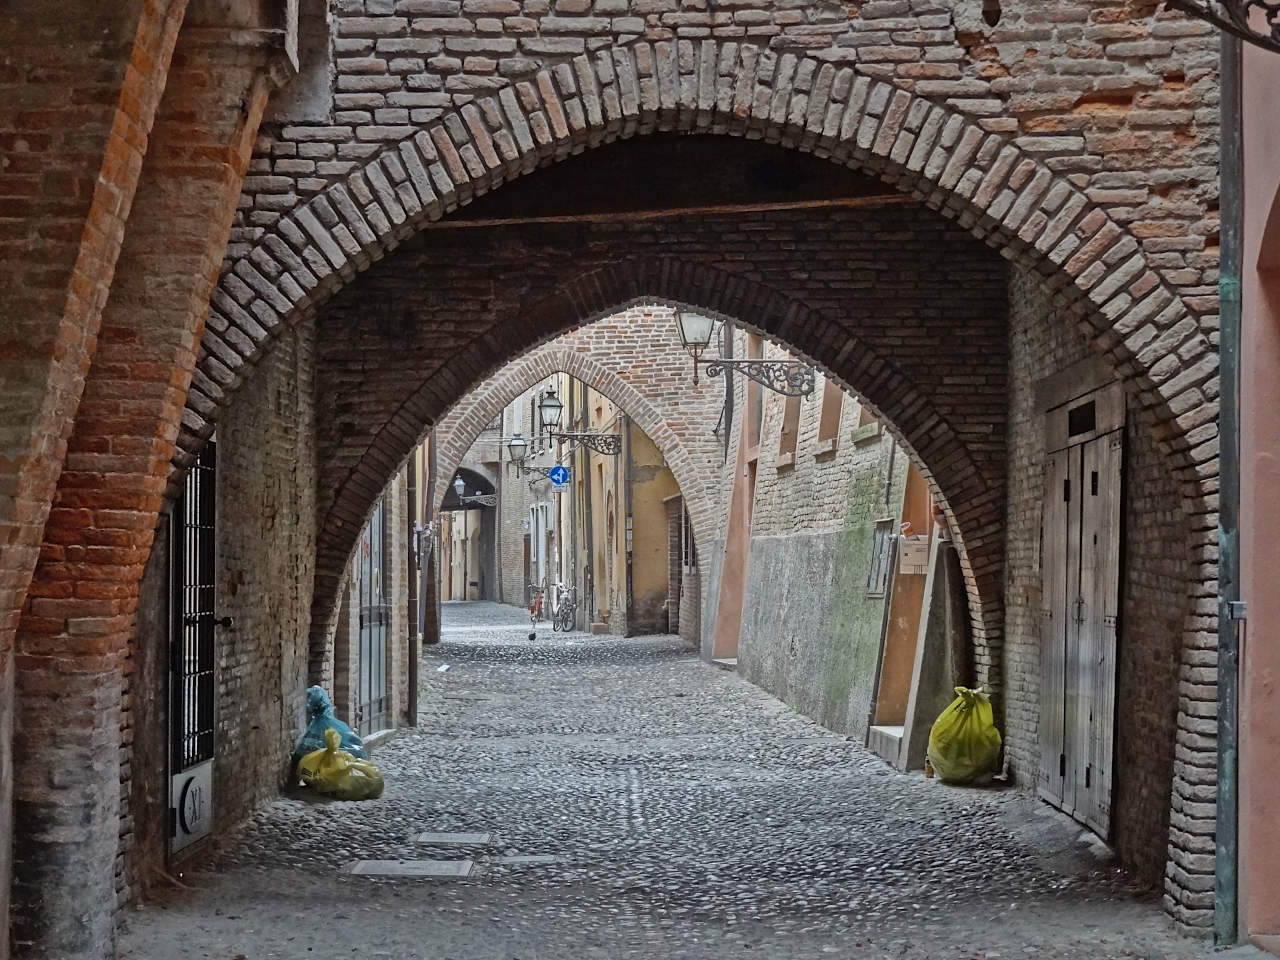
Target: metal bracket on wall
[791, 378]
[1254, 21]
[608, 444]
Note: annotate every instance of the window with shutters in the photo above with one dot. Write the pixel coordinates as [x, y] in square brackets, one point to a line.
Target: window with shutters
[829, 420]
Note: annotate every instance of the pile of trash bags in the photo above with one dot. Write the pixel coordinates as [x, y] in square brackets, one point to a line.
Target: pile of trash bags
[330, 757]
[338, 774]
[964, 742]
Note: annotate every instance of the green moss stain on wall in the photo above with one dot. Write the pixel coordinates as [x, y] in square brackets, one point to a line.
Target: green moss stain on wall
[854, 619]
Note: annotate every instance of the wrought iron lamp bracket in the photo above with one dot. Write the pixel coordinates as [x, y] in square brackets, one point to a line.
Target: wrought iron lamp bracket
[791, 378]
[1236, 17]
[484, 499]
[608, 444]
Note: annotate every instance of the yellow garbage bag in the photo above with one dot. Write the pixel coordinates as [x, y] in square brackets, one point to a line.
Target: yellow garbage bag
[337, 773]
[964, 742]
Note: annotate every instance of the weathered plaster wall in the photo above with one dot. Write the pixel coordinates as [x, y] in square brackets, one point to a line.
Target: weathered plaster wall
[651, 484]
[810, 632]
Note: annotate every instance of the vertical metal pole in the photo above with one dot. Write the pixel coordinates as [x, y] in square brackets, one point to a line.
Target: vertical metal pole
[1231, 177]
[572, 579]
[628, 528]
[414, 547]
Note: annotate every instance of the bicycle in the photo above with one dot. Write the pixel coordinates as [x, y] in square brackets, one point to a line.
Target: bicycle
[535, 609]
[566, 610]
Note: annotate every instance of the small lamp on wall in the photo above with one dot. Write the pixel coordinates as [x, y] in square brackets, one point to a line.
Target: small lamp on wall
[696, 331]
[459, 487]
[550, 408]
[518, 448]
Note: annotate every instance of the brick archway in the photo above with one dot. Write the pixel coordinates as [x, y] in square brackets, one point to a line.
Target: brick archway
[459, 430]
[1007, 198]
[1098, 273]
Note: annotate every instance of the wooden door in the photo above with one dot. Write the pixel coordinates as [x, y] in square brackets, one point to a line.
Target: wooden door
[1053, 626]
[1080, 563]
[1099, 611]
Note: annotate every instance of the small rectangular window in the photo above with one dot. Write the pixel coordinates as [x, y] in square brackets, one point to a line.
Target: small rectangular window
[755, 401]
[1082, 419]
[829, 417]
[881, 557]
[790, 435]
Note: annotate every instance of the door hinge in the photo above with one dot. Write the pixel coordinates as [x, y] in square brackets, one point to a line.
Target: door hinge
[1062, 764]
[1237, 610]
[1088, 773]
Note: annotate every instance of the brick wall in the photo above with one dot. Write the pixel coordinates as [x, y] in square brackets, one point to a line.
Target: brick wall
[810, 632]
[77, 626]
[266, 556]
[1066, 85]
[387, 351]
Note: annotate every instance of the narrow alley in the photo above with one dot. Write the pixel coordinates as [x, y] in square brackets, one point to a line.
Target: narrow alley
[636, 801]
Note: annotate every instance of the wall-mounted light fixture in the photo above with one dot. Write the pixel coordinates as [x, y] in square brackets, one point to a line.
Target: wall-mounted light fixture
[550, 410]
[484, 499]
[792, 378]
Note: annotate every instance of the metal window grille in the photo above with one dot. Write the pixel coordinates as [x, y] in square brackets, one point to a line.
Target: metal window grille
[194, 649]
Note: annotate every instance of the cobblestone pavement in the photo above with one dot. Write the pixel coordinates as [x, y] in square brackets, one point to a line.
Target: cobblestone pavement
[688, 813]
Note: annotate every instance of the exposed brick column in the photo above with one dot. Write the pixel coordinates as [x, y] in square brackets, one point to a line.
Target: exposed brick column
[77, 100]
[74, 630]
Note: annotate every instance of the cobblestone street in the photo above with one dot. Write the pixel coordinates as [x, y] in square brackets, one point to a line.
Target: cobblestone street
[671, 810]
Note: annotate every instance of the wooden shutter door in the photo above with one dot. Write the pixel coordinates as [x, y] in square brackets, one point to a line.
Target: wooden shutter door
[1053, 625]
[1100, 591]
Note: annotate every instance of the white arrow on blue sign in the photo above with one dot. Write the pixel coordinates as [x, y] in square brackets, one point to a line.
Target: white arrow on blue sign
[559, 475]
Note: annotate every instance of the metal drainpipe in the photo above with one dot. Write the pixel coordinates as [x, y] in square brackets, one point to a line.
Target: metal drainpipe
[413, 544]
[628, 526]
[1231, 178]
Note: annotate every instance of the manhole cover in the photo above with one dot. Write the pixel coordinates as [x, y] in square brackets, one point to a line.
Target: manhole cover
[459, 839]
[412, 868]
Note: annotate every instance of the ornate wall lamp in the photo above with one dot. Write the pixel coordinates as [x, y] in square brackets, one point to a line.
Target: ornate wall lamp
[1254, 21]
[550, 410]
[792, 378]
[484, 499]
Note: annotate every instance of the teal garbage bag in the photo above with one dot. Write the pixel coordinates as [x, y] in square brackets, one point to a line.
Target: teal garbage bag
[320, 717]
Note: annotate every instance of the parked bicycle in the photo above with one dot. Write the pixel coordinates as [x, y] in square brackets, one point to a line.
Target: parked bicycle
[535, 610]
[566, 608]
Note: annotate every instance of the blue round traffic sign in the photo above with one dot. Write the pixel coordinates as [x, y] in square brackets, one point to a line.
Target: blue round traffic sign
[559, 475]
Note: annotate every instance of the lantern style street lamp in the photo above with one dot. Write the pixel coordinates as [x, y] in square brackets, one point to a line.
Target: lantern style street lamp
[792, 378]
[696, 332]
[518, 448]
[550, 410]
[459, 487]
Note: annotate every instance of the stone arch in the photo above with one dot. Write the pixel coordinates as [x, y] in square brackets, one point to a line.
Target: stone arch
[695, 485]
[936, 448]
[983, 180]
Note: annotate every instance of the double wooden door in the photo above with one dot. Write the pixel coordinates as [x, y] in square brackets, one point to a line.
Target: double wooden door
[1080, 557]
